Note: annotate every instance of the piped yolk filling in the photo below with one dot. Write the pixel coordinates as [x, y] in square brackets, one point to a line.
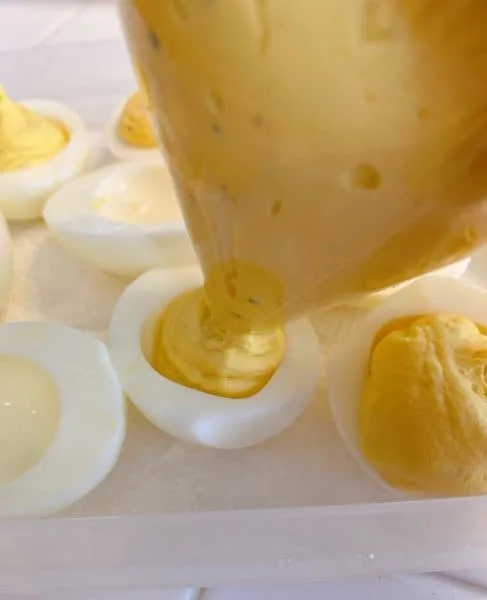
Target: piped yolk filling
[27, 139]
[134, 126]
[193, 350]
[423, 411]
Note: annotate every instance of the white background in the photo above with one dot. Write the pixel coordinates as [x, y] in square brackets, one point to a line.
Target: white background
[31, 23]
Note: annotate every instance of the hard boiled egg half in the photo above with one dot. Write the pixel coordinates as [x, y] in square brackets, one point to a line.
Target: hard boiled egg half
[407, 389]
[124, 219]
[189, 414]
[62, 417]
[24, 191]
[130, 132]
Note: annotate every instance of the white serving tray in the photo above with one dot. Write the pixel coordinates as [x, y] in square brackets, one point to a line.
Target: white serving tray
[296, 508]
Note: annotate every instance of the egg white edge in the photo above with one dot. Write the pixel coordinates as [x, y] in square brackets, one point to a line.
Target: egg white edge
[348, 361]
[119, 148]
[163, 401]
[73, 158]
[74, 202]
[92, 408]
[69, 217]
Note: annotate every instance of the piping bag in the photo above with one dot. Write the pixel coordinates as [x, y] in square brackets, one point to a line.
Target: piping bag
[322, 149]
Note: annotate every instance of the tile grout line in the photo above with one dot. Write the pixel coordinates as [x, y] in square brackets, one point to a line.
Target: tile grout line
[66, 20]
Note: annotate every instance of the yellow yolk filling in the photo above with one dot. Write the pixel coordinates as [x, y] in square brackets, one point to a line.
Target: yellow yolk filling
[27, 139]
[134, 126]
[193, 350]
[423, 413]
[225, 338]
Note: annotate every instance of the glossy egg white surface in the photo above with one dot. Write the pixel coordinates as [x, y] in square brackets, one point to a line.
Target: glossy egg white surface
[119, 148]
[349, 360]
[23, 192]
[124, 219]
[195, 416]
[53, 371]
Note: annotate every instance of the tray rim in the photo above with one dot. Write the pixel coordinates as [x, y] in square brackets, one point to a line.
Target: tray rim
[222, 548]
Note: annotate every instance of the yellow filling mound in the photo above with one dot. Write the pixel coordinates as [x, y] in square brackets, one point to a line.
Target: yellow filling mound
[134, 126]
[423, 413]
[27, 139]
[193, 350]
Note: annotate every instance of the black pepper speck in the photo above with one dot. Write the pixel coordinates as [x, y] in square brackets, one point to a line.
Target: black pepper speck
[154, 40]
[276, 208]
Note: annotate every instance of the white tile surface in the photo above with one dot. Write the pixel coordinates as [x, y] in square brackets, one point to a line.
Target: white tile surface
[96, 20]
[25, 24]
[29, 23]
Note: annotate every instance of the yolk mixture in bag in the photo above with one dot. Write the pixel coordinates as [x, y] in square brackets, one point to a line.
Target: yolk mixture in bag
[27, 139]
[134, 126]
[321, 148]
[423, 414]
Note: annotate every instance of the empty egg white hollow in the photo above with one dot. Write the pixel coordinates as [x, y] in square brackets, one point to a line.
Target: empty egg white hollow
[91, 427]
[23, 192]
[192, 415]
[348, 361]
[89, 218]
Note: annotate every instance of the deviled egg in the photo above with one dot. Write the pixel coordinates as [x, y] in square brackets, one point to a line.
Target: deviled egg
[62, 419]
[124, 219]
[408, 389]
[130, 133]
[187, 413]
[42, 145]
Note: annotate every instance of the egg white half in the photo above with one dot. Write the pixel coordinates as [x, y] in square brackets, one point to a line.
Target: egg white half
[122, 248]
[119, 148]
[91, 428]
[23, 192]
[195, 416]
[349, 360]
